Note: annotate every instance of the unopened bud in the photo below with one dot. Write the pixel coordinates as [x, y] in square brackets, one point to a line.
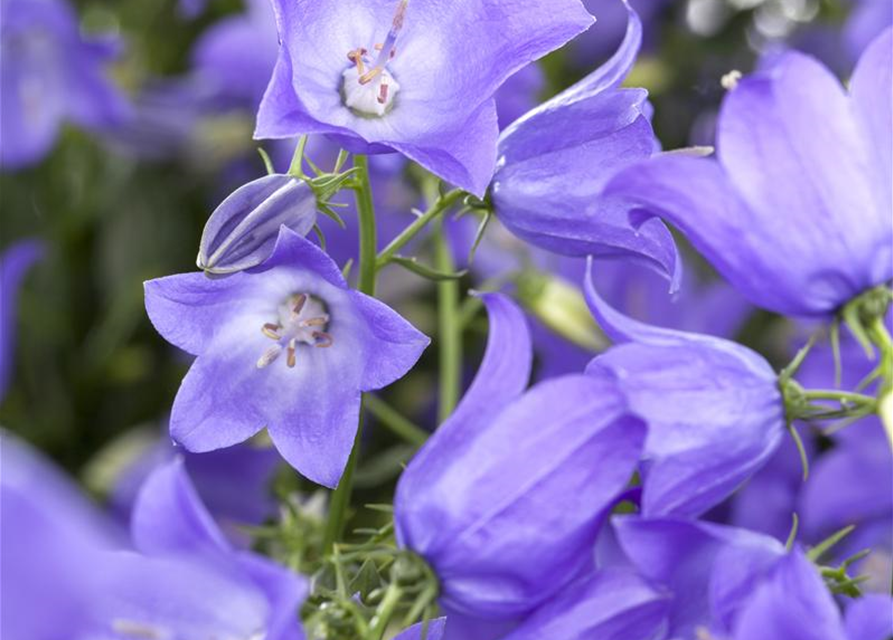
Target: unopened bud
[242, 231]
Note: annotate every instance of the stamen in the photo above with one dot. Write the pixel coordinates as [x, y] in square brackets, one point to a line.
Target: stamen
[383, 93]
[388, 48]
[315, 322]
[356, 56]
[137, 629]
[270, 330]
[269, 356]
[290, 361]
[327, 339]
[300, 301]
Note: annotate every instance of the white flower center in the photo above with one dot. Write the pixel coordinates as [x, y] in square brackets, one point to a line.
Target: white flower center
[368, 88]
[302, 320]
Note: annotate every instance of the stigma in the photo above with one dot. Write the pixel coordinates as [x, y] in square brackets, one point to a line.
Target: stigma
[302, 321]
[368, 88]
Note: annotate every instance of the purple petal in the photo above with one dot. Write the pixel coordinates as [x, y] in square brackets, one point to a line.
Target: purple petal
[781, 605]
[394, 345]
[170, 519]
[502, 377]
[610, 605]
[870, 618]
[15, 262]
[285, 590]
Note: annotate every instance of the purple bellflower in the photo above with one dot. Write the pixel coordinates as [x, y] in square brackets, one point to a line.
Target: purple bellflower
[795, 209]
[242, 231]
[50, 74]
[506, 466]
[611, 604]
[555, 161]
[286, 346]
[732, 584]
[714, 410]
[434, 631]
[425, 90]
[15, 262]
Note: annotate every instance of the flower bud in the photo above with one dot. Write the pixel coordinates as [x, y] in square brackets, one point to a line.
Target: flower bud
[242, 231]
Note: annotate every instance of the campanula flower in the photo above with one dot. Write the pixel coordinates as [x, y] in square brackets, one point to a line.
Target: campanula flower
[242, 231]
[51, 74]
[795, 209]
[15, 262]
[612, 604]
[555, 161]
[714, 410]
[414, 77]
[508, 465]
[286, 346]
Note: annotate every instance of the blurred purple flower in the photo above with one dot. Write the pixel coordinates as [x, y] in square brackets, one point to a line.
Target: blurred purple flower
[555, 161]
[242, 230]
[606, 34]
[67, 572]
[795, 212]
[867, 19]
[428, 93]
[714, 411]
[418, 632]
[286, 346]
[519, 94]
[234, 58]
[15, 262]
[50, 74]
[233, 483]
[506, 466]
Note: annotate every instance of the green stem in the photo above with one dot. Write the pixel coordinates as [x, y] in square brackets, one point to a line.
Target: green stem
[391, 419]
[366, 284]
[385, 611]
[442, 204]
[449, 328]
[838, 396]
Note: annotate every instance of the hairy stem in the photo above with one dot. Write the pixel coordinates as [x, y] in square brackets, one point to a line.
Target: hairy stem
[449, 328]
[441, 205]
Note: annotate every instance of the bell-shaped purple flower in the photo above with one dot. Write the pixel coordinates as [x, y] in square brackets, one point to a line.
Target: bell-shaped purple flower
[286, 346]
[613, 604]
[242, 231]
[508, 466]
[413, 77]
[714, 410]
[555, 161]
[50, 74]
[795, 209]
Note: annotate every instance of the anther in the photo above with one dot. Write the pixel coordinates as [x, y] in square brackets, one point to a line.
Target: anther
[315, 322]
[300, 301]
[270, 330]
[290, 361]
[327, 340]
[383, 93]
[269, 356]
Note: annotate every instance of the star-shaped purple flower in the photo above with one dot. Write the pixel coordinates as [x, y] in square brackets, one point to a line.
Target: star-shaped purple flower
[286, 346]
[413, 77]
[795, 210]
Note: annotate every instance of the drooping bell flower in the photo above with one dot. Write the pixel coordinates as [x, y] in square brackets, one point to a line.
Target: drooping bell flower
[15, 262]
[413, 77]
[714, 410]
[286, 346]
[612, 604]
[795, 209]
[555, 161]
[507, 466]
[707, 570]
[51, 74]
[242, 231]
